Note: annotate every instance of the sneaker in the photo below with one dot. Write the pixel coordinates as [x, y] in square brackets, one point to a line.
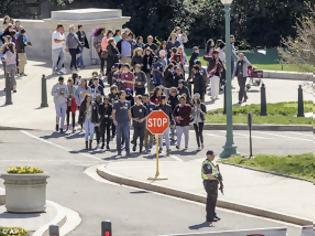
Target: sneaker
[198, 148]
[134, 148]
[107, 147]
[210, 224]
[177, 147]
[216, 218]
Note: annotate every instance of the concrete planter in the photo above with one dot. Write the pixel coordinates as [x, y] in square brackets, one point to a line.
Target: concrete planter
[25, 193]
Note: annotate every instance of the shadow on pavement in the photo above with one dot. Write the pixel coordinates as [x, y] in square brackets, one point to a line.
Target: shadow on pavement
[7, 215]
[53, 135]
[253, 91]
[75, 135]
[199, 226]
[185, 153]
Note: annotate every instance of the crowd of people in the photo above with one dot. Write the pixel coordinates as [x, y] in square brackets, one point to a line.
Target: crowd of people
[13, 41]
[142, 77]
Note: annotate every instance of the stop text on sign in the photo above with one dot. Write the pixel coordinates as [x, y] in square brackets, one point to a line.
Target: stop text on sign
[157, 122]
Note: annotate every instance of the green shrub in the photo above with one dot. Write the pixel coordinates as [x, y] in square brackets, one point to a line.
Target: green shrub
[24, 170]
[12, 231]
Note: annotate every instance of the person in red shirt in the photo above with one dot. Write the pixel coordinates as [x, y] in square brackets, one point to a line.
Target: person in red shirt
[127, 78]
[182, 114]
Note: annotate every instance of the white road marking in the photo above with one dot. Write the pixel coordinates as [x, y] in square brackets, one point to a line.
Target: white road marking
[253, 136]
[246, 135]
[57, 145]
[304, 134]
[214, 135]
[284, 136]
[176, 158]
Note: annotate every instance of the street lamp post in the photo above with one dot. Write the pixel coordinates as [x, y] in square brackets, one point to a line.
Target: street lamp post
[229, 148]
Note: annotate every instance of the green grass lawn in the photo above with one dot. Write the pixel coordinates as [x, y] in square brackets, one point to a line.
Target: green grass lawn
[270, 61]
[302, 165]
[278, 113]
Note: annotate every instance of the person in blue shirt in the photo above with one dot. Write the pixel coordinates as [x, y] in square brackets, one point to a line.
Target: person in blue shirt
[121, 117]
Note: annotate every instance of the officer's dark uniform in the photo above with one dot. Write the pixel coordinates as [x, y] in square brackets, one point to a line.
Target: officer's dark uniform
[211, 187]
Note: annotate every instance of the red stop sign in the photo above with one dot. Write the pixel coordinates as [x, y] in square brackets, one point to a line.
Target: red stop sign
[157, 122]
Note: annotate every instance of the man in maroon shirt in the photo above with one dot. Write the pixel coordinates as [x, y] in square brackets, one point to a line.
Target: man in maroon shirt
[127, 78]
[182, 114]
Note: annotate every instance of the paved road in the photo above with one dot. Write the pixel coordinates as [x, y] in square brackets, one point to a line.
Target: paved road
[132, 212]
[263, 142]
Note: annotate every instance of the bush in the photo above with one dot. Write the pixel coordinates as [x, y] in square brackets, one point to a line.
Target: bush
[24, 170]
[12, 231]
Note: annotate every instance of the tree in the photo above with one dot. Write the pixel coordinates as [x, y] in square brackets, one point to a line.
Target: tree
[301, 49]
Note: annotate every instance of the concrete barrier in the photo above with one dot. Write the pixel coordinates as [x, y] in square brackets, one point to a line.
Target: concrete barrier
[248, 232]
[308, 231]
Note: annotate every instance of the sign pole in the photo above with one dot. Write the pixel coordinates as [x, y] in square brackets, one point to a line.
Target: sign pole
[157, 173]
[156, 123]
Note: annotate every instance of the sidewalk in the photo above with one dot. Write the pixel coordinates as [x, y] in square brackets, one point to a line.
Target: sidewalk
[251, 188]
[26, 112]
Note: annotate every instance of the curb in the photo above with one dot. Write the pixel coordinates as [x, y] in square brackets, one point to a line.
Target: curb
[269, 172]
[263, 127]
[284, 75]
[101, 170]
[13, 128]
[287, 75]
[59, 220]
[66, 218]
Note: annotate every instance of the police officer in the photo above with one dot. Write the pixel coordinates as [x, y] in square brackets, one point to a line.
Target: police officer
[210, 175]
